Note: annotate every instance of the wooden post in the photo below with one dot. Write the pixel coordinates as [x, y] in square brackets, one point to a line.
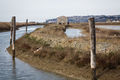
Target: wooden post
[14, 35]
[26, 25]
[11, 30]
[93, 47]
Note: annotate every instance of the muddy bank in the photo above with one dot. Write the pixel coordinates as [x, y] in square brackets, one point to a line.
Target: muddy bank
[5, 26]
[43, 49]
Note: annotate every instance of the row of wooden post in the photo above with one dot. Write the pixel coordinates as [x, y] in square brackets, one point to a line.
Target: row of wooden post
[91, 22]
[13, 34]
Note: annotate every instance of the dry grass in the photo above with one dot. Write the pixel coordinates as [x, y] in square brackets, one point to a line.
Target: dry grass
[66, 55]
[103, 23]
[70, 56]
[5, 26]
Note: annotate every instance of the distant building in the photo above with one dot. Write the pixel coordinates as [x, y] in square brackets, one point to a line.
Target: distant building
[62, 20]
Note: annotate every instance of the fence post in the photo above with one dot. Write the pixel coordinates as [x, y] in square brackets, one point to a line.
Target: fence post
[11, 32]
[14, 35]
[26, 25]
[93, 47]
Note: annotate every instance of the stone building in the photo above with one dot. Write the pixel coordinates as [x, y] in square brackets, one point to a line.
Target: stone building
[62, 20]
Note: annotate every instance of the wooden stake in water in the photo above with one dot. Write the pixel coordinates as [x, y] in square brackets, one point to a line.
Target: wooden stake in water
[11, 30]
[26, 25]
[14, 35]
[93, 47]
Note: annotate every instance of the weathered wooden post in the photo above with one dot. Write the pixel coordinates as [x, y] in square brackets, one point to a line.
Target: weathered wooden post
[14, 35]
[93, 47]
[26, 25]
[11, 30]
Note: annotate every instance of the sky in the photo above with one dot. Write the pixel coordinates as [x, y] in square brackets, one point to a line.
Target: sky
[41, 10]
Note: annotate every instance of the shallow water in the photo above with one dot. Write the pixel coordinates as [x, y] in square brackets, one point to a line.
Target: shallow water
[20, 70]
[112, 27]
[72, 33]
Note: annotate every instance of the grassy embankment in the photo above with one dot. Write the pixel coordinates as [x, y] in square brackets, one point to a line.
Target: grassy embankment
[39, 51]
[5, 26]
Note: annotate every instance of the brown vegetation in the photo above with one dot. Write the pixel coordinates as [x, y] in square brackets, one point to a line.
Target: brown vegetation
[4, 26]
[66, 56]
[69, 61]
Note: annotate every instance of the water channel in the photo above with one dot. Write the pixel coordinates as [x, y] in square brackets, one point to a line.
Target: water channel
[20, 70]
[112, 27]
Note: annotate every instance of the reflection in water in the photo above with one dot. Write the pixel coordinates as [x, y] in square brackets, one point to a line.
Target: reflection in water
[14, 64]
[14, 68]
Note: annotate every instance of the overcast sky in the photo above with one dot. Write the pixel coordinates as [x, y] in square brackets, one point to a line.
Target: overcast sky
[40, 10]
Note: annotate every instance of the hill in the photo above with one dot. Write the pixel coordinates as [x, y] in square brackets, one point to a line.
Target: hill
[98, 18]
